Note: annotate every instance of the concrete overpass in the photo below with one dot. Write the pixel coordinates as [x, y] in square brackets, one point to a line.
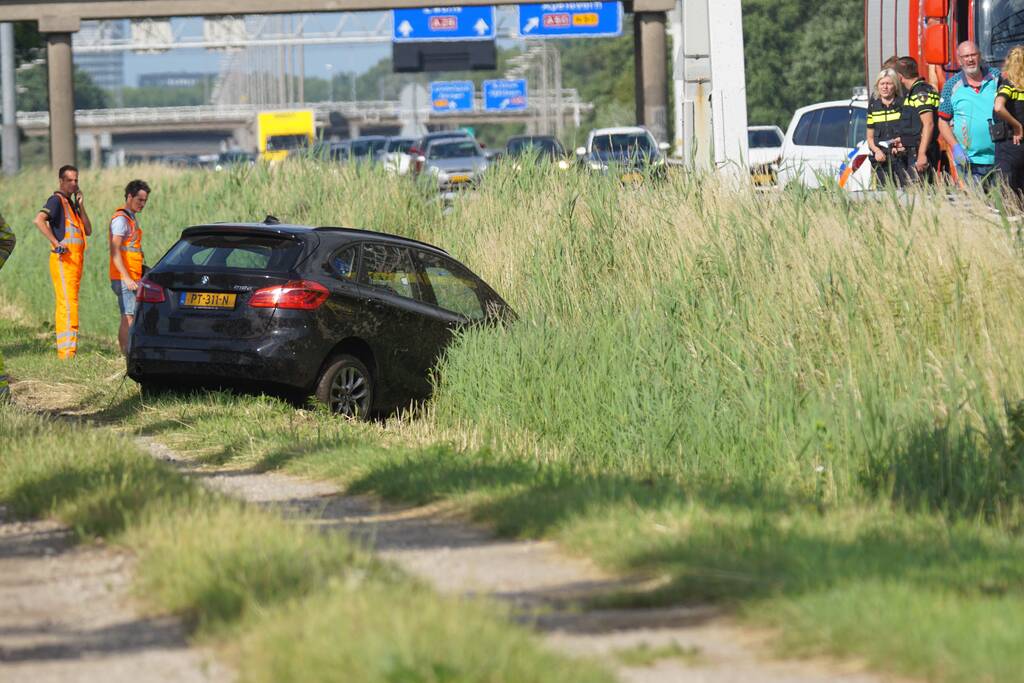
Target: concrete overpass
[58, 19]
[237, 120]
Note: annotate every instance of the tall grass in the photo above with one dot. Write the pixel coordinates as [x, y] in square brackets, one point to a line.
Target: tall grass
[799, 342]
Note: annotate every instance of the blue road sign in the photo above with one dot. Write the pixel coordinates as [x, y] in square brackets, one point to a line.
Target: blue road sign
[452, 96]
[570, 20]
[505, 95]
[443, 23]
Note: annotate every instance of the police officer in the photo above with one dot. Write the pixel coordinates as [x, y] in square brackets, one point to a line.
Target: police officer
[885, 110]
[919, 132]
[1009, 108]
[7, 242]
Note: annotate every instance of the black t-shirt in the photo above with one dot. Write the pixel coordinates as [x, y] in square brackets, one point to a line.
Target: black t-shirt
[921, 98]
[885, 120]
[1014, 99]
[54, 211]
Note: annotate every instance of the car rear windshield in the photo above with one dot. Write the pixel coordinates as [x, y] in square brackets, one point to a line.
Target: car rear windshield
[362, 148]
[624, 143]
[759, 139]
[538, 145]
[453, 150]
[234, 252]
[399, 145]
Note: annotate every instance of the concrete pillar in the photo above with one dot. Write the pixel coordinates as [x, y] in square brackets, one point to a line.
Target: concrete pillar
[96, 149]
[652, 77]
[60, 72]
[11, 157]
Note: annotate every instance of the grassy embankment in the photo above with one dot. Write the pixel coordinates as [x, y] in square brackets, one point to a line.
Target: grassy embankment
[802, 406]
[286, 603]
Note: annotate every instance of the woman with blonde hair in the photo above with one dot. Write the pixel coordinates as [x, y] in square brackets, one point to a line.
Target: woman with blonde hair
[1009, 111]
[884, 111]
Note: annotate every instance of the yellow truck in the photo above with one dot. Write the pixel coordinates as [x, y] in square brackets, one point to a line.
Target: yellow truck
[280, 132]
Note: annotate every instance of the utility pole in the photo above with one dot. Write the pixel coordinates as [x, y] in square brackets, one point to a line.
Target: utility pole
[11, 160]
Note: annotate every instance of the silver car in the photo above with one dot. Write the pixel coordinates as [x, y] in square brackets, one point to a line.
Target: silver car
[453, 163]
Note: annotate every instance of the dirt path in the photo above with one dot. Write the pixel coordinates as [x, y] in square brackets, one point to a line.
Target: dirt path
[66, 615]
[535, 577]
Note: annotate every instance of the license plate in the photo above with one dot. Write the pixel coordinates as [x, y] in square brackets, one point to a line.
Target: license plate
[764, 179]
[207, 300]
[459, 179]
[635, 178]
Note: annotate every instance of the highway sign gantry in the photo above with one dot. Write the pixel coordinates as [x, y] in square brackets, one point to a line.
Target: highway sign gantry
[452, 96]
[471, 22]
[505, 95]
[570, 20]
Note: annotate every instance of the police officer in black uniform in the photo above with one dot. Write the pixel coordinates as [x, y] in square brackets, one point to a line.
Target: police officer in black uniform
[919, 130]
[885, 110]
[1009, 110]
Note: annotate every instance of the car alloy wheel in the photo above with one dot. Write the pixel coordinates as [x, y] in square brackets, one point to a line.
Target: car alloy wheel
[346, 387]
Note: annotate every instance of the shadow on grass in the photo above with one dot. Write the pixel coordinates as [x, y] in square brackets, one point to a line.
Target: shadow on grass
[745, 542]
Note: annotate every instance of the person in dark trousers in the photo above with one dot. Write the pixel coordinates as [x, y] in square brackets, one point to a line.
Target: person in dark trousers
[1009, 109]
[7, 241]
[919, 132]
[885, 110]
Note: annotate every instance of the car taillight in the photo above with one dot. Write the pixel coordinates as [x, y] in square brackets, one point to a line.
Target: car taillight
[304, 295]
[149, 293]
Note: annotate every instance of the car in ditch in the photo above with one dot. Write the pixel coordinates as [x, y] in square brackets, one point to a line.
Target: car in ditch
[354, 317]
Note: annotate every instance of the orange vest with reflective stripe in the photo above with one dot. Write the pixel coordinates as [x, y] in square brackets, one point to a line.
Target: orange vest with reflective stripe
[131, 247]
[74, 227]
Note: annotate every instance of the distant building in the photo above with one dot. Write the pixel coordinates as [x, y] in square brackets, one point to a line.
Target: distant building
[105, 68]
[175, 79]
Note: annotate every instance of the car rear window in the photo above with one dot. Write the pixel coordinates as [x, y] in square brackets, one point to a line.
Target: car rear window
[234, 252]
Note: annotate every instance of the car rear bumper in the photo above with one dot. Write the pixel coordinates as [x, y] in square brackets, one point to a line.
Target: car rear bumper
[287, 362]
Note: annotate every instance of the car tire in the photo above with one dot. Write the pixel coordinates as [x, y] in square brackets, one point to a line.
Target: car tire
[150, 388]
[346, 387]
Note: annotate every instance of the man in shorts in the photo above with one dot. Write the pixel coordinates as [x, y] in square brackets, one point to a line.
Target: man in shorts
[126, 257]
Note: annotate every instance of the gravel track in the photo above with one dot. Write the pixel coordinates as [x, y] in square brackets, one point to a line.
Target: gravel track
[66, 616]
[541, 582]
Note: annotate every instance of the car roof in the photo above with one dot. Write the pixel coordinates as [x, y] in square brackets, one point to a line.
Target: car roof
[292, 229]
[369, 137]
[764, 128]
[849, 102]
[532, 137]
[617, 130]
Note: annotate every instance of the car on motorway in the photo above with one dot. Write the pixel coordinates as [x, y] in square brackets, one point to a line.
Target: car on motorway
[354, 317]
[453, 163]
[824, 138]
[365, 147]
[416, 151]
[542, 148]
[395, 155]
[629, 151]
[764, 147]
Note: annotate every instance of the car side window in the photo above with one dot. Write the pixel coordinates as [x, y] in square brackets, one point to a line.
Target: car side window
[806, 130]
[858, 126]
[454, 288]
[389, 268]
[343, 263]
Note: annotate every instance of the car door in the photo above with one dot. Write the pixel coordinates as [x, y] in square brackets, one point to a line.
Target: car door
[393, 310]
[458, 298]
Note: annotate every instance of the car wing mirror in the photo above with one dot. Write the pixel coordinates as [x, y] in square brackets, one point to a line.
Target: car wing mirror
[581, 151]
[663, 146]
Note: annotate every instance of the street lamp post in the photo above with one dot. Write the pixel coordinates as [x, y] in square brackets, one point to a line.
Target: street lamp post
[330, 82]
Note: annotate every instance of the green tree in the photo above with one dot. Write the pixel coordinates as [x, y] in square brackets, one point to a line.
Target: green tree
[33, 95]
[799, 52]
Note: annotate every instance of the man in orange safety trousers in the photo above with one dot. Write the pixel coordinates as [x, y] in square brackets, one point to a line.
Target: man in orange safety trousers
[126, 257]
[65, 224]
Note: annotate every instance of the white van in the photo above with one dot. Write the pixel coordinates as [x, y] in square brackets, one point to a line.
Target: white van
[820, 139]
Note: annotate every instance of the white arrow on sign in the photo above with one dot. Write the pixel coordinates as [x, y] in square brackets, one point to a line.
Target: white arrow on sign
[533, 23]
[405, 28]
[452, 104]
[481, 27]
[504, 104]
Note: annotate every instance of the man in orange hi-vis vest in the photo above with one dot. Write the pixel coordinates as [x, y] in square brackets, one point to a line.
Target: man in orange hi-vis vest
[66, 226]
[126, 256]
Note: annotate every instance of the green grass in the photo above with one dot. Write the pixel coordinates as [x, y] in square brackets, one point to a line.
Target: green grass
[288, 603]
[778, 402]
[647, 655]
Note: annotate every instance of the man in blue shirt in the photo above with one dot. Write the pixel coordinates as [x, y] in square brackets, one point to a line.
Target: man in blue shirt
[965, 109]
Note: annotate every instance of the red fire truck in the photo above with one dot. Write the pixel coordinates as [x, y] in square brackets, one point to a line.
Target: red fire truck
[930, 30]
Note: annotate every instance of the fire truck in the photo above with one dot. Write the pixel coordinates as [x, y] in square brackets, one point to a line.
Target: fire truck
[930, 30]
